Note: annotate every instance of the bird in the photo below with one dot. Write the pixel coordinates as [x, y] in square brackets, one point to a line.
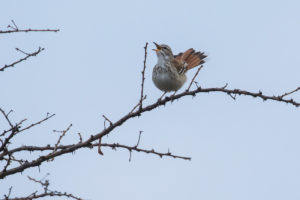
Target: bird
[169, 74]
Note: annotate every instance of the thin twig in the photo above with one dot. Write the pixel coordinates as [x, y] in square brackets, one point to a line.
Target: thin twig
[233, 97]
[138, 104]
[18, 125]
[288, 93]
[22, 59]
[63, 133]
[80, 137]
[106, 119]
[16, 130]
[152, 151]
[138, 142]
[15, 29]
[11, 158]
[6, 117]
[46, 193]
[17, 49]
[9, 193]
[99, 147]
[38, 181]
[143, 78]
[37, 123]
[29, 30]
[196, 74]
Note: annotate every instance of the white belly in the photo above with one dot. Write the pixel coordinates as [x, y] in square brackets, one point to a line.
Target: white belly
[167, 81]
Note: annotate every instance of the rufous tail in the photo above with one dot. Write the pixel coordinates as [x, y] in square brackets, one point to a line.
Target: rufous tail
[191, 58]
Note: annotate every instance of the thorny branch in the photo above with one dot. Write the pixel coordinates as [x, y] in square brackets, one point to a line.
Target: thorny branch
[91, 141]
[45, 193]
[112, 145]
[143, 78]
[143, 97]
[60, 148]
[13, 28]
[28, 55]
[152, 151]
[13, 131]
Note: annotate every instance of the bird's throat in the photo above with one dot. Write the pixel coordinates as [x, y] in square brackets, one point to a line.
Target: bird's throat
[162, 60]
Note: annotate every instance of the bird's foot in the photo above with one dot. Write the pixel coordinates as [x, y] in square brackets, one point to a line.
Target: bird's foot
[160, 98]
[172, 96]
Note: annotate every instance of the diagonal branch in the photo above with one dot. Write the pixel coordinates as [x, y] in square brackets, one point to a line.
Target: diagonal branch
[6, 117]
[28, 55]
[48, 116]
[193, 79]
[16, 130]
[288, 93]
[88, 143]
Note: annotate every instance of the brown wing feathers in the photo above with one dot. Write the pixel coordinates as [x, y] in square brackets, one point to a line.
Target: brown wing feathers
[191, 57]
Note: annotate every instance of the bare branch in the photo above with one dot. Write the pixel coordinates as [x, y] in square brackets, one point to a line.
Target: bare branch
[37, 123]
[22, 59]
[16, 130]
[80, 137]
[15, 26]
[143, 78]
[138, 142]
[106, 120]
[196, 74]
[9, 192]
[45, 193]
[29, 30]
[6, 117]
[99, 147]
[17, 125]
[288, 93]
[152, 151]
[137, 105]
[14, 29]
[88, 143]
[63, 133]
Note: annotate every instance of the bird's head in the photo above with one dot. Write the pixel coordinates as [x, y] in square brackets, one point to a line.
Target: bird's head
[163, 50]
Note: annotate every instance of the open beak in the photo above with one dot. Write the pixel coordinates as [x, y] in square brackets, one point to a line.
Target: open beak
[158, 48]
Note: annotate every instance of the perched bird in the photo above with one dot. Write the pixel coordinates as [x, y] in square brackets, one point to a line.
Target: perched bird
[169, 74]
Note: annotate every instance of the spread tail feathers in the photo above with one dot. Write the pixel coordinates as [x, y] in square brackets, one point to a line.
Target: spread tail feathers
[191, 58]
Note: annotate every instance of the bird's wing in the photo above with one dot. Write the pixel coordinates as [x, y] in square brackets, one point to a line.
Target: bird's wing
[190, 58]
[178, 65]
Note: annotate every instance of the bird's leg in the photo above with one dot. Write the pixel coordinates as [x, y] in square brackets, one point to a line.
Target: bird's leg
[173, 95]
[159, 99]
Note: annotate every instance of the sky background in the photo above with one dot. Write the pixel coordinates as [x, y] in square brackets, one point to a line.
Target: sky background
[244, 149]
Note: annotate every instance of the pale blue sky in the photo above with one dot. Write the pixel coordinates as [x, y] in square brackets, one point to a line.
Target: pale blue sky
[243, 149]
